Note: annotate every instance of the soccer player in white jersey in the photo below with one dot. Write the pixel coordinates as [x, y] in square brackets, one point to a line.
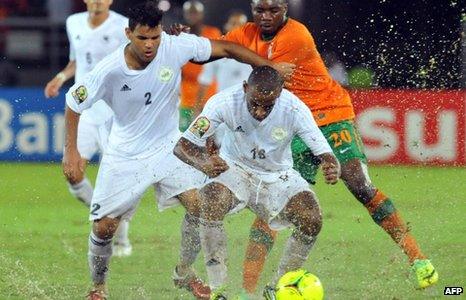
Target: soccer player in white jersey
[93, 35]
[140, 83]
[227, 72]
[254, 168]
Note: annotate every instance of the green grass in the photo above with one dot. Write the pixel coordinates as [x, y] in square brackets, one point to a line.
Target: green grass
[43, 239]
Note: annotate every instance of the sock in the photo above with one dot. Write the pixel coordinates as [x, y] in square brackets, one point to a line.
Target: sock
[214, 243]
[82, 191]
[383, 213]
[121, 234]
[261, 239]
[190, 243]
[99, 254]
[295, 254]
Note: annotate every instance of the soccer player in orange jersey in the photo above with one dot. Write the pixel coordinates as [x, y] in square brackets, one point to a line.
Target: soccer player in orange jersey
[193, 13]
[282, 39]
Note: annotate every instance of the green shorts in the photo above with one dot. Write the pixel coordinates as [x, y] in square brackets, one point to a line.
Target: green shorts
[186, 117]
[344, 140]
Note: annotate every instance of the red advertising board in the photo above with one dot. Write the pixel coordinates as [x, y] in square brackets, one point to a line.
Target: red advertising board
[412, 126]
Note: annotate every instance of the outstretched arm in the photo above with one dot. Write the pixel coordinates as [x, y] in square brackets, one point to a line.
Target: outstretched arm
[53, 86]
[198, 157]
[242, 54]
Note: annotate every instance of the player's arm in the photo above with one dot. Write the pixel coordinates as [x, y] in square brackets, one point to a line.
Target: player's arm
[198, 157]
[242, 54]
[307, 129]
[72, 163]
[53, 86]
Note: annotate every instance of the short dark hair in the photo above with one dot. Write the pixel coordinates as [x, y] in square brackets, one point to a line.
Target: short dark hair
[145, 14]
[266, 78]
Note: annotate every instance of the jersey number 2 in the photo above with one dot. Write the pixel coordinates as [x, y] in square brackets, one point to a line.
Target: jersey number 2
[148, 96]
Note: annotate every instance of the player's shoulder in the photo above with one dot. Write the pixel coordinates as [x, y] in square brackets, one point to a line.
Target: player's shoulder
[290, 103]
[110, 63]
[295, 30]
[248, 29]
[228, 97]
[118, 18]
[211, 32]
[77, 19]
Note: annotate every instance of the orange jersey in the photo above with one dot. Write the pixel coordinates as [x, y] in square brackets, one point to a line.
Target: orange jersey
[190, 72]
[311, 81]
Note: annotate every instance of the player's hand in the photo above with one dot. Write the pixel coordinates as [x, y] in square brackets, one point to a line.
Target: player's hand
[330, 168]
[177, 28]
[214, 166]
[285, 69]
[72, 165]
[53, 87]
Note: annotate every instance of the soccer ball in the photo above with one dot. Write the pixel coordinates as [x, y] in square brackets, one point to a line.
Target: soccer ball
[299, 285]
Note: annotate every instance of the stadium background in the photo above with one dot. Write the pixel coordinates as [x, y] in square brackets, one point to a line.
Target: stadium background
[411, 111]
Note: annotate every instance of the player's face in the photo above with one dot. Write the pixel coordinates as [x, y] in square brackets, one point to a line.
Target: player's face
[193, 17]
[235, 21]
[98, 6]
[145, 41]
[260, 101]
[268, 15]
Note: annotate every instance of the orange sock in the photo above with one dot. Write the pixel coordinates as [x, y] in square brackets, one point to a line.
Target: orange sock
[384, 214]
[261, 240]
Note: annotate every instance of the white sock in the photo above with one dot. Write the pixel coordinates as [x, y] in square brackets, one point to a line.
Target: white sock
[295, 253]
[99, 254]
[214, 243]
[190, 243]
[121, 234]
[82, 191]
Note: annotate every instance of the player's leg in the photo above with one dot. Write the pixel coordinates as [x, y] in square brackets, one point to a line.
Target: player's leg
[186, 117]
[184, 275]
[303, 212]
[120, 184]
[261, 237]
[347, 146]
[216, 201]
[80, 186]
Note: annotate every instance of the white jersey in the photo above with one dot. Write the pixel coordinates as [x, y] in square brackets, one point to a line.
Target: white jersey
[144, 102]
[264, 146]
[88, 46]
[227, 71]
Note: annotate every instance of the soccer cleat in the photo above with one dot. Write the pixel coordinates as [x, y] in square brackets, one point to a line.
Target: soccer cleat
[425, 273]
[122, 250]
[193, 284]
[95, 294]
[219, 294]
[269, 293]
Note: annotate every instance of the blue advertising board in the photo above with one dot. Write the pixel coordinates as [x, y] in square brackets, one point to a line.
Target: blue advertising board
[31, 126]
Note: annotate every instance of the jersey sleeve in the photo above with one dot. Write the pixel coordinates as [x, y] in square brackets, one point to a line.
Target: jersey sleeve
[306, 128]
[206, 123]
[295, 45]
[207, 75]
[82, 95]
[192, 47]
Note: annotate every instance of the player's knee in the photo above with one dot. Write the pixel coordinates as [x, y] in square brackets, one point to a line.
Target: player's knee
[215, 201]
[191, 202]
[105, 228]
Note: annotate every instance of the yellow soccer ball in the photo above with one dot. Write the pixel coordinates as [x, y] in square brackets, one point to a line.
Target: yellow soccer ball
[299, 285]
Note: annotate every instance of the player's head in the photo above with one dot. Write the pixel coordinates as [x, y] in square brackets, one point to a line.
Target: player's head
[236, 19]
[262, 89]
[269, 15]
[193, 12]
[144, 30]
[98, 6]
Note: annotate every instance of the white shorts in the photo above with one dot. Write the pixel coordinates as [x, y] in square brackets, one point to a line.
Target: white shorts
[265, 194]
[122, 181]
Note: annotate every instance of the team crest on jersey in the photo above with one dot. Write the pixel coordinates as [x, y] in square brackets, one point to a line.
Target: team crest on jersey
[165, 74]
[79, 94]
[279, 133]
[200, 126]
